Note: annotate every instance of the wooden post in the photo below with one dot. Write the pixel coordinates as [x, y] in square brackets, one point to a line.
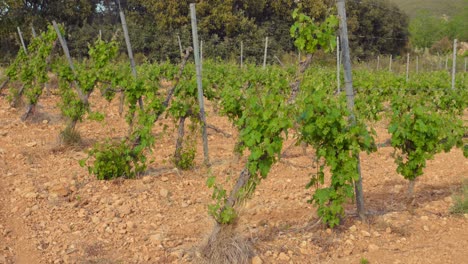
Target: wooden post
[22, 40]
[390, 63]
[338, 68]
[378, 62]
[201, 54]
[266, 52]
[199, 81]
[454, 62]
[66, 51]
[180, 46]
[33, 31]
[417, 64]
[242, 55]
[127, 42]
[64, 45]
[407, 66]
[350, 98]
[279, 61]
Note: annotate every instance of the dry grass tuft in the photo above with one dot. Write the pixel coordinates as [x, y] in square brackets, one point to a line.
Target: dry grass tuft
[70, 137]
[226, 246]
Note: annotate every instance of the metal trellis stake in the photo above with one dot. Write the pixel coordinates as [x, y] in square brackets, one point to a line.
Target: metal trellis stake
[454, 62]
[338, 68]
[350, 98]
[199, 81]
[129, 51]
[22, 40]
[266, 52]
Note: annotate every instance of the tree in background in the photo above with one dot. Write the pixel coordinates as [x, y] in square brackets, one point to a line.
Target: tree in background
[457, 26]
[432, 31]
[376, 27]
[223, 24]
[76, 15]
[426, 29]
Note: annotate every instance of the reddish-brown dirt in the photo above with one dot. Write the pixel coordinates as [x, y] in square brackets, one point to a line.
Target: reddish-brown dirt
[53, 211]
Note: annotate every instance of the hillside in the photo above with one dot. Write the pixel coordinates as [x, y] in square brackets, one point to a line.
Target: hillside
[448, 7]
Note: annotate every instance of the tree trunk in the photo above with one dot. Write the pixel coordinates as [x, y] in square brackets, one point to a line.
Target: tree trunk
[16, 100]
[410, 194]
[180, 140]
[4, 84]
[30, 109]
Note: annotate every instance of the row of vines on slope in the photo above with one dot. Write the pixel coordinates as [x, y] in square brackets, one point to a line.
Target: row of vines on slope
[263, 105]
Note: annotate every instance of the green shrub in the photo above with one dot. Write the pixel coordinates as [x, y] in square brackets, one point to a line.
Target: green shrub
[113, 160]
[185, 158]
[364, 261]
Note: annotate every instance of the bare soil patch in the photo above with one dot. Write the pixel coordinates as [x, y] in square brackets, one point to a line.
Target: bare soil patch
[53, 211]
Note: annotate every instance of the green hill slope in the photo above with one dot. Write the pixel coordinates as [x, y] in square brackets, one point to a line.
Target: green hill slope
[437, 7]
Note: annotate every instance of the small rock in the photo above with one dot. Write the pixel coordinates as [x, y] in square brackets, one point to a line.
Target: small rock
[59, 190]
[156, 238]
[31, 144]
[388, 230]
[130, 225]
[164, 179]
[45, 121]
[305, 251]
[448, 199]
[164, 193]
[424, 218]
[184, 204]
[329, 231]
[125, 210]
[373, 247]
[353, 228]
[95, 219]
[303, 244]
[365, 233]
[349, 242]
[348, 251]
[465, 215]
[147, 179]
[426, 228]
[109, 230]
[283, 257]
[376, 234]
[27, 212]
[82, 213]
[3, 133]
[257, 260]
[30, 195]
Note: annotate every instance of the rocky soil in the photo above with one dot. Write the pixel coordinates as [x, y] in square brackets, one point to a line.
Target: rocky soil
[53, 211]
